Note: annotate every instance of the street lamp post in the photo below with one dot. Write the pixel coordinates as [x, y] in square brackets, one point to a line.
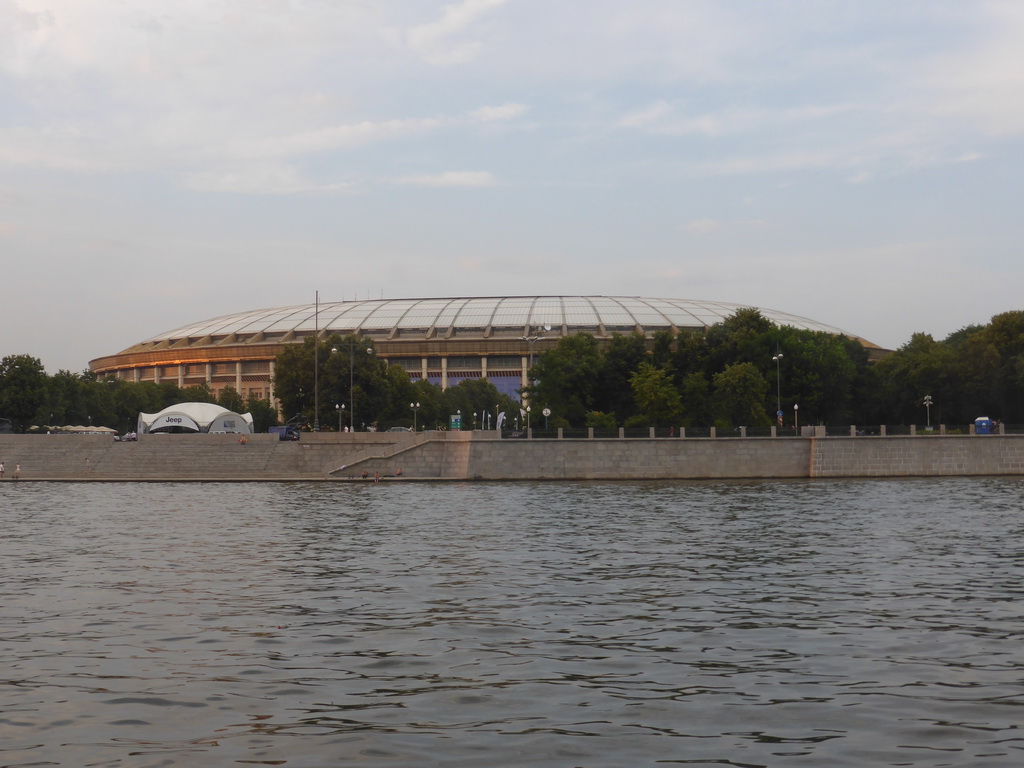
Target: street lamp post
[527, 418]
[796, 419]
[340, 409]
[415, 409]
[351, 346]
[532, 334]
[928, 410]
[778, 387]
[316, 365]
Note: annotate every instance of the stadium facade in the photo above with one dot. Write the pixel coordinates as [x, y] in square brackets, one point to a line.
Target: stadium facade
[444, 341]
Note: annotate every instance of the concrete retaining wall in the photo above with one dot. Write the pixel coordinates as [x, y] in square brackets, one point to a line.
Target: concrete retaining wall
[481, 456]
[594, 459]
[918, 456]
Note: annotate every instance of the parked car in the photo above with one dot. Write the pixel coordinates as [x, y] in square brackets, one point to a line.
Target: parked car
[399, 429]
[285, 433]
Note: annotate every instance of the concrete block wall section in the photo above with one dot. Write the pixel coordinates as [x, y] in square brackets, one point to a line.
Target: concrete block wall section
[262, 457]
[953, 455]
[597, 460]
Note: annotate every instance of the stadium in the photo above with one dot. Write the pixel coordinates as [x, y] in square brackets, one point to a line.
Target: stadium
[444, 341]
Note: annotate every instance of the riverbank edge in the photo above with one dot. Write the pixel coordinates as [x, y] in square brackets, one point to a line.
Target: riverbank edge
[468, 456]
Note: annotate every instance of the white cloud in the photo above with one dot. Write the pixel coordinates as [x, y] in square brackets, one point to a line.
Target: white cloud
[260, 179]
[647, 116]
[434, 41]
[982, 81]
[502, 112]
[120, 118]
[703, 226]
[450, 179]
[334, 137]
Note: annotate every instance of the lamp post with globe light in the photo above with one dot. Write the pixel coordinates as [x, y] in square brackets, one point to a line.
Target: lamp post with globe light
[352, 346]
[778, 386]
[533, 333]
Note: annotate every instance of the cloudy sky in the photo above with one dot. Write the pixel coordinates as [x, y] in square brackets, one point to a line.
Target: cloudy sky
[857, 163]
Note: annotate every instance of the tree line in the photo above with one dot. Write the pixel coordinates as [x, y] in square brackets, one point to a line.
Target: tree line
[373, 393]
[745, 370]
[31, 398]
[739, 372]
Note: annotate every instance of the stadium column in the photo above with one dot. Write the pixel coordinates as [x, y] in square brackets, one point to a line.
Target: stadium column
[444, 373]
[238, 377]
[181, 376]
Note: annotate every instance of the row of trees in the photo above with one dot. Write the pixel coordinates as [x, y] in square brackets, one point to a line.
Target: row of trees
[29, 397]
[736, 373]
[744, 370]
[726, 376]
[350, 374]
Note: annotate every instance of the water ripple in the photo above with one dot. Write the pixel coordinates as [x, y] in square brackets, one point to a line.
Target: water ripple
[839, 623]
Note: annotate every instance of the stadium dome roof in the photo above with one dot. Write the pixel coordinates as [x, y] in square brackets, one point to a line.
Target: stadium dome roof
[408, 319]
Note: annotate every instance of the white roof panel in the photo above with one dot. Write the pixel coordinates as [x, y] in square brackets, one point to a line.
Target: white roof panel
[570, 312]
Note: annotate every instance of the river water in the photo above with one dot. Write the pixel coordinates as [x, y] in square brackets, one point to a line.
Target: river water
[811, 623]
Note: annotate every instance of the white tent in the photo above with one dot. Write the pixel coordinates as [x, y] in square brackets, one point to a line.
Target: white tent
[195, 417]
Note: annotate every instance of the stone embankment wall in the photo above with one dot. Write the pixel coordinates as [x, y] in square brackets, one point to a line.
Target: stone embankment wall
[633, 459]
[482, 456]
[917, 456]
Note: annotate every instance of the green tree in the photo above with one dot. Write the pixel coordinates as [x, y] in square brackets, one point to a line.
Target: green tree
[739, 393]
[656, 396]
[920, 367]
[230, 398]
[622, 357]
[602, 421]
[293, 381]
[746, 336]
[400, 392]
[691, 353]
[698, 408]
[567, 377]
[818, 373]
[24, 388]
[353, 375]
[264, 415]
[1005, 334]
[326, 364]
[197, 393]
[661, 349]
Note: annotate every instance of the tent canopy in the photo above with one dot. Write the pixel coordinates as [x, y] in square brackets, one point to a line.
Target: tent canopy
[195, 417]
